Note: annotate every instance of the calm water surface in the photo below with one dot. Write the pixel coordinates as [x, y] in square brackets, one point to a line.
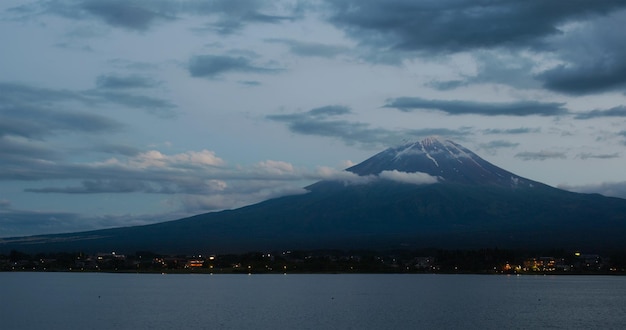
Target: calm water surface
[347, 301]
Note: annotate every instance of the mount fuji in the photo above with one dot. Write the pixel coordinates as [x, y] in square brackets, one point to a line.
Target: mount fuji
[444, 159]
[428, 194]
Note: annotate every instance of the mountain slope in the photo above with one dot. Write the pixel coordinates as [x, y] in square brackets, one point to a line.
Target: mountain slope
[474, 205]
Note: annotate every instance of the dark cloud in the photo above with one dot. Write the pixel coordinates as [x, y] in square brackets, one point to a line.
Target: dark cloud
[448, 84]
[619, 111]
[124, 82]
[265, 18]
[330, 110]
[310, 49]
[98, 187]
[24, 10]
[232, 15]
[456, 25]
[584, 37]
[541, 155]
[30, 161]
[593, 56]
[586, 78]
[212, 66]
[17, 127]
[506, 68]
[226, 16]
[138, 15]
[19, 154]
[308, 123]
[455, 107]
[497, 144]
[323, 121]
[76, 121]
[155, 106]
[588, 155]
[492, 147]
[37, 122]
[19, 96]
[133, 15]
[349, 132]
[228, 24]
[521, 130]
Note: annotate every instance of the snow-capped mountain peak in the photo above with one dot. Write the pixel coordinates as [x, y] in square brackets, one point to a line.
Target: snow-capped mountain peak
[442, 158]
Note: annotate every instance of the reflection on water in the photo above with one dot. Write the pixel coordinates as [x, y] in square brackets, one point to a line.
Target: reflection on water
[347, 301]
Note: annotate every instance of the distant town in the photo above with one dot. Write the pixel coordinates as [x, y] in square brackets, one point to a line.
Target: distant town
[485, 261]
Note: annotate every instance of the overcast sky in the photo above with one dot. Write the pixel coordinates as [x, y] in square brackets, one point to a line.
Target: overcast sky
[126, 112]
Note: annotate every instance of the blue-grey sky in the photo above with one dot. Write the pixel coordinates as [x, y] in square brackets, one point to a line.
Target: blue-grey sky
[126, 112]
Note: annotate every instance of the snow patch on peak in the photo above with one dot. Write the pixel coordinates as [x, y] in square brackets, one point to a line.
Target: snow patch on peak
[433, 159]
[427, 154]
[456, 151]
[408, 149]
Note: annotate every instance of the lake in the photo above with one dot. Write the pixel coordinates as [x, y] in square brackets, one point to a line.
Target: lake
[343, 301]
